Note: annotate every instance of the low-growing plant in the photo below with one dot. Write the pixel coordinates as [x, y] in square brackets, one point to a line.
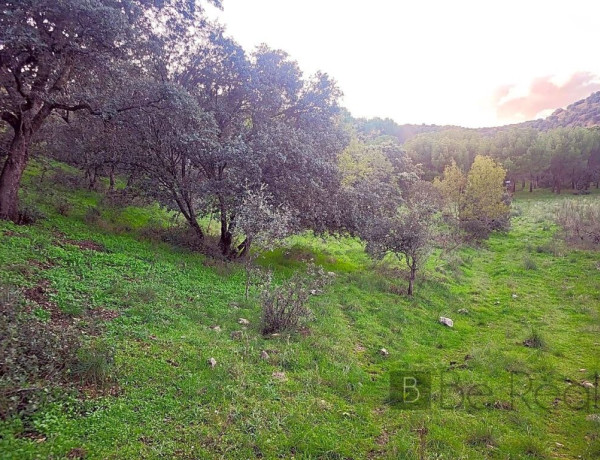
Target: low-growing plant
[95, 364]
[92, 215]
[35, 356]
[535, 340]
[284, 307]
[580, 221]
[529, 263]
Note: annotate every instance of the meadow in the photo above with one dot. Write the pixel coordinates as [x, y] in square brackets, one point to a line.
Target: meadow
[526, 336]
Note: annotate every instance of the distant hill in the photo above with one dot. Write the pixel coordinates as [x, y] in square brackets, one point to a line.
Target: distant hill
[584, 113]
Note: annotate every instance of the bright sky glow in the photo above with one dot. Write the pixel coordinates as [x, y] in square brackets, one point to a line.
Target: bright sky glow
[470, 63]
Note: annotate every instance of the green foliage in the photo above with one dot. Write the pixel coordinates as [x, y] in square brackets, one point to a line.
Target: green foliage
[580, 221]
[95, 364]
[285, 307]
[170, 403]
[35, 357]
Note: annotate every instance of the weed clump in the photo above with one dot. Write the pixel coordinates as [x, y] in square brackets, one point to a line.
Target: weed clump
[284, 307]
[95, 364]
[535, 340]
[35, 356]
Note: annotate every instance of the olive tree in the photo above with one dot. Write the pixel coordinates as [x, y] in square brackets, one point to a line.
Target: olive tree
[60, 57]
[408, 233]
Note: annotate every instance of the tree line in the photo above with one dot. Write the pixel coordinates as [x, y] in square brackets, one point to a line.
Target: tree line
[151, 91]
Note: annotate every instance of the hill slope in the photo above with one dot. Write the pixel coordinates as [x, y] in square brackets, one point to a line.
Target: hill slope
[322, 393]
[584, 113]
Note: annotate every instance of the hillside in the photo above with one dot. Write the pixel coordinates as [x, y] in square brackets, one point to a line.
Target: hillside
[321, 393]
[584, 113]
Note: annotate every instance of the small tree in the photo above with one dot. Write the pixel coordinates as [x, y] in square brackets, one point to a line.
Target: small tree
[262, 225]
[485, 206]
[409, 233]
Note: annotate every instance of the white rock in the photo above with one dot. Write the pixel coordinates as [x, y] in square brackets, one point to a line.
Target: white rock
[264, 355]
[446, 321]
[463, 311]
[212, 362]
[587, 384]
[514, 296]
[384, 352]
[216, 328]
[243, 321]
[330, 274]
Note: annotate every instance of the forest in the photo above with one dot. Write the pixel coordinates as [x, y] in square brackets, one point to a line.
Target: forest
[160, 185]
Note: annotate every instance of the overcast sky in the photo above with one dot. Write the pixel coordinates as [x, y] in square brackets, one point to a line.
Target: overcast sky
[470, 63]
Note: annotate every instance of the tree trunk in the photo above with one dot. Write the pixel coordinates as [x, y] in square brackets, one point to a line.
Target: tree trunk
[531, 185]
[111, 178]
[10, 179]
[226, 230]
[411, 282]
[194, 224]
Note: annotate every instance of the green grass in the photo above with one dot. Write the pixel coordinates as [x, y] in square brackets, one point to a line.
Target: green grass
[332, 403]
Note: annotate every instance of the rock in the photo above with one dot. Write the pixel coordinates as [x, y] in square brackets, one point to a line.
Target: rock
[582, 370]
[497, 302]
[514, 296]
[237, 335]
[264, 355]
[243, 321]
[384, 352]
[593, 418]
[275, 334]
[463, 311]
[216, 328]
[586, 384]
[558, 444]
[279, 375]
[212, 362]
[446, 321]
[313, 292]
[333, 274]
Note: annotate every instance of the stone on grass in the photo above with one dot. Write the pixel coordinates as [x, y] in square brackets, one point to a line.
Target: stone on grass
[463, 311]
[586, 384]
[243, 321]
[514, 296]
[384, 352]
[212, 362]
[279, 376]
[446, 321]
[264, 355]
[216, 328]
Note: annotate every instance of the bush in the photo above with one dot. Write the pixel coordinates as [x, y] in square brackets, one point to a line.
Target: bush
[34, 356]
[92, 215]
[284, 307]
[95, 364]
[63, 207]
[29, 215]
[535, 340]
[580, 221]
[529, 263]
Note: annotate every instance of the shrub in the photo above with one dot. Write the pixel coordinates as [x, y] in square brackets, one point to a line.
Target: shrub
[535, 340]
[284, 307]
[92, 215]
[63, 207]
[34, 356]
[95, 364]
[529, 263]
[580, 221]
[29, 215]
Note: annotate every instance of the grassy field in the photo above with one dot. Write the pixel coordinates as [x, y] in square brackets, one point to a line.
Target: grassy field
[321, 393]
